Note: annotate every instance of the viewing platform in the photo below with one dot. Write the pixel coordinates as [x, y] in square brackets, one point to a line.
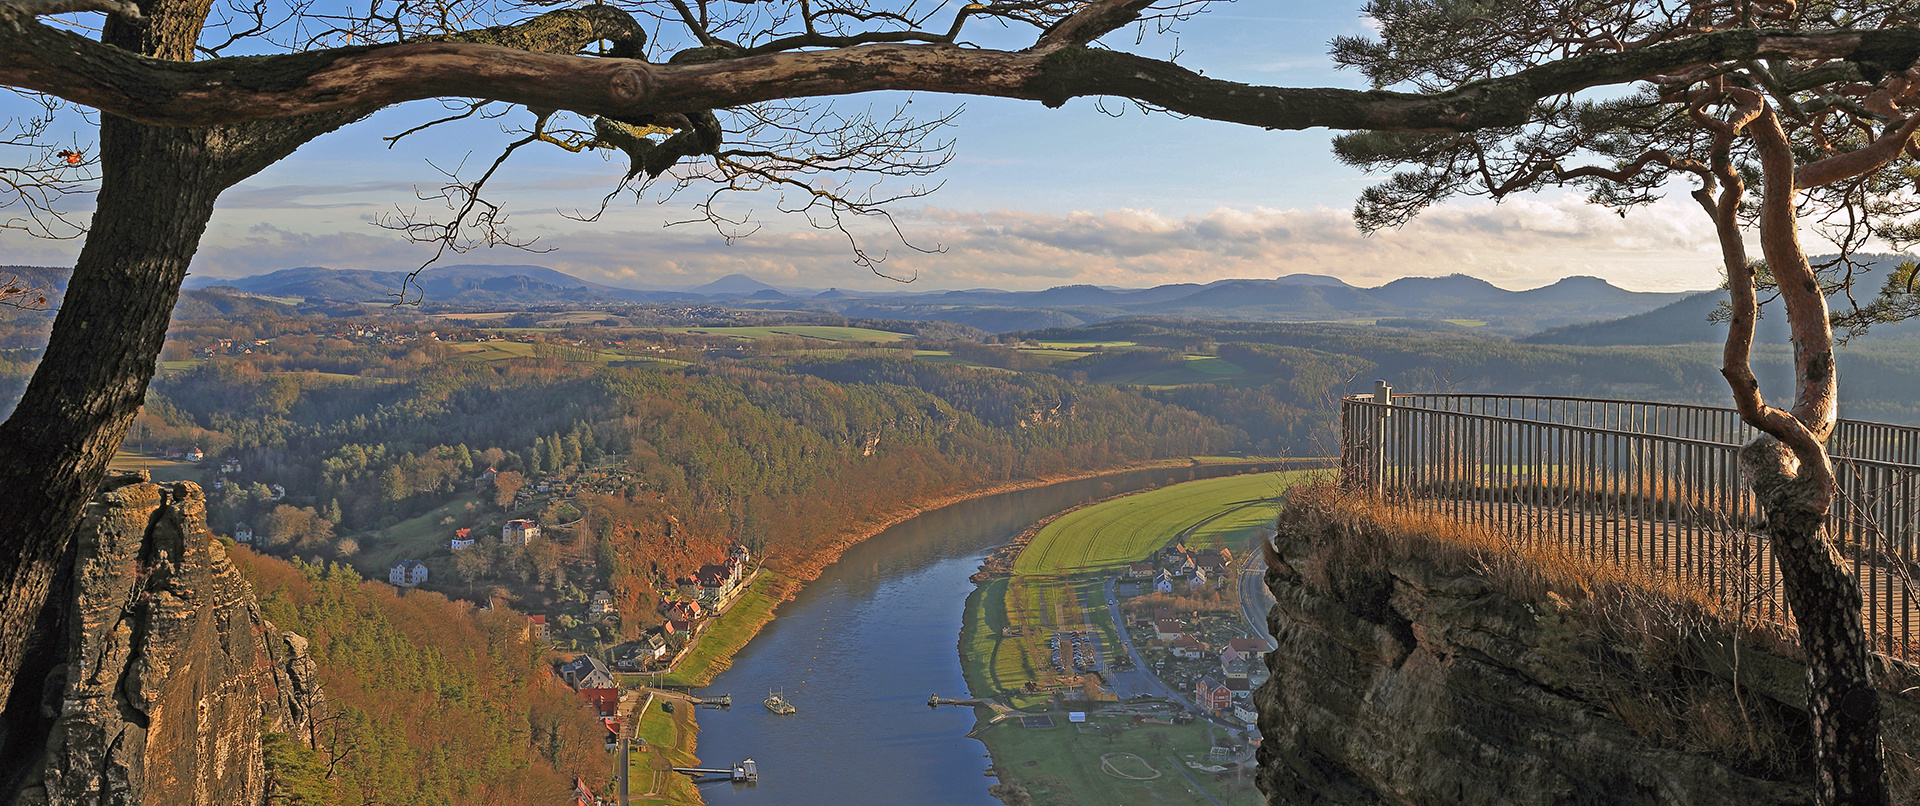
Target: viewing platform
[1650, 486]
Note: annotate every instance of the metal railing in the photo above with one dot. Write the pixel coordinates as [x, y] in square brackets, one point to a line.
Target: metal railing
[1651, 486]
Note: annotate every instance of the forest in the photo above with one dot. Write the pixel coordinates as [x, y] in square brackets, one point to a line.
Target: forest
[345, 443]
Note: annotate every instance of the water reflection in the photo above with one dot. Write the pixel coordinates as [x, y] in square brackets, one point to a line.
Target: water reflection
[859, 651]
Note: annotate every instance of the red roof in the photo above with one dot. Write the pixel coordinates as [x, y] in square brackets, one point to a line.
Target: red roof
[605, 700]
[537, 619]
[1166, 625]
[461, 533]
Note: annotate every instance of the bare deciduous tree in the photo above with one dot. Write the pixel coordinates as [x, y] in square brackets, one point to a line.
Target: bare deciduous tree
[724, 108]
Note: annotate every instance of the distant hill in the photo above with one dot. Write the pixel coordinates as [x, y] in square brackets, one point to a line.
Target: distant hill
[459, 285]
[1684, 321]
[223, 301]
[1311, 279]
[732, 285]
[1430, 292]
[1293, 297]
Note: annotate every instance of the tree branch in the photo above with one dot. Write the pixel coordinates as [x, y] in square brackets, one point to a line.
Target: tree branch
[1859, 161]
[16, 10]
[234, 89]
[1097, 19]
[1815, 397]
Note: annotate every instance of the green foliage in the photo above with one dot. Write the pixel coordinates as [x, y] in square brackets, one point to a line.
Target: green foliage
[296, 775]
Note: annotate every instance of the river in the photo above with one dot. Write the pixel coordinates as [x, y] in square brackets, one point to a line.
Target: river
[859, 650]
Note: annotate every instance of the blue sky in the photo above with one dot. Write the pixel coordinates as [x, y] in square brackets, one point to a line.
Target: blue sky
[1034, 198]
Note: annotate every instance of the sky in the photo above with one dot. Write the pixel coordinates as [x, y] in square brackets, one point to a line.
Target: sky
[1034, 198]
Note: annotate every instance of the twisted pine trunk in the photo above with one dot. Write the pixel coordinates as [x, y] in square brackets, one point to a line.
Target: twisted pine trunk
[1849, 764]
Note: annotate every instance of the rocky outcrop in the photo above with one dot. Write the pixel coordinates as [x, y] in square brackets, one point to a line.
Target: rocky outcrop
[1417, 687]
[169, 677]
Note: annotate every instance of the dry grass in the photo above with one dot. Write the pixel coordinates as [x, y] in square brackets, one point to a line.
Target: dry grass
[1634, 639]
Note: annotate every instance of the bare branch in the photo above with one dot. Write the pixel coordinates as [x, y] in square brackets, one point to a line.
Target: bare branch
[13, 11]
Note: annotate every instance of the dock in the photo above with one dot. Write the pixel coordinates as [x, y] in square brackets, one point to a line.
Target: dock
[721, 701]
[935, 701]
[745, 771]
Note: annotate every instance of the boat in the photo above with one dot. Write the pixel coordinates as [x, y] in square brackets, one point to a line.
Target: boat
[779, 704]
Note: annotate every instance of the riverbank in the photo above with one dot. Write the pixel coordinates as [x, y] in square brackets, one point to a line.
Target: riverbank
[860, 645]
[809, 569]
[733, 630]
[1060, 583]
[714, 652]
[666, 740]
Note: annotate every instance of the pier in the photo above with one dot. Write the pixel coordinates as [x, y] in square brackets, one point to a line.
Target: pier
[721, 701]
[935, 701]
[746, 771]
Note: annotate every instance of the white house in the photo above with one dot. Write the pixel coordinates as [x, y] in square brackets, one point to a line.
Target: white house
[462, 539]
[407, 573]
[519, 532]
[242, 533]
[1162, 583]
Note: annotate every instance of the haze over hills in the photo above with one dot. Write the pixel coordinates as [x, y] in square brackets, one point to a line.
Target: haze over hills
[1684, 321]
[1294, 297]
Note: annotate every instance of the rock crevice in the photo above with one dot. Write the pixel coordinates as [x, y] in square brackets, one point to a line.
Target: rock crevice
[168, 676]
[1406, 685]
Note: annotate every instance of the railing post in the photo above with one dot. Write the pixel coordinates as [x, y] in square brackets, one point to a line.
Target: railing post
[1383, 396]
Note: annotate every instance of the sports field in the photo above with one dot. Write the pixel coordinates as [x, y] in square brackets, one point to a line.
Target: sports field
[1115, 760]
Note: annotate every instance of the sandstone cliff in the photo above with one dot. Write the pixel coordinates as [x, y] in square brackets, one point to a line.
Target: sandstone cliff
[167, 676]
[1397, 681]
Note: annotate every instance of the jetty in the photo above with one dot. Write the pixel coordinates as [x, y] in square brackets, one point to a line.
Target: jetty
[935, 701]
[721, 701]
[745, 771]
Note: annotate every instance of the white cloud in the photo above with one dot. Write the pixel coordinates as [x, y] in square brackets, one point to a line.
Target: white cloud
[1519, 244]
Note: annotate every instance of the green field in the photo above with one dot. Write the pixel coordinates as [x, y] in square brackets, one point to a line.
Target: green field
[1062, 765]
[1040, 604]
[821, 332]
[160, 470]
[1197, 369]
[731, 631]
[418, 538]
[670, 740]
[1068, 345]
[1104, 537]
[493, 350]
[1058, 581]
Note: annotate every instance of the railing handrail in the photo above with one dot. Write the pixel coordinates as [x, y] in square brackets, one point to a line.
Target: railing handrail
[1607, 475]
[1367, 401]
[1841, 426]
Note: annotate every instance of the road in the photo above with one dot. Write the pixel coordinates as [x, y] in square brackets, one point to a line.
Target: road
[1255, 600]
[1138, 680]
[626, 764]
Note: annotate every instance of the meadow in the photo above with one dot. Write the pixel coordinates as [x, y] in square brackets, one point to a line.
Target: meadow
[1104, 759]
[1114, 534]
[821, 332]
[1058, 581]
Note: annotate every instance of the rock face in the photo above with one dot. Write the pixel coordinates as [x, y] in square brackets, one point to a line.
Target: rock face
[171, 677]
[1422, 688]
